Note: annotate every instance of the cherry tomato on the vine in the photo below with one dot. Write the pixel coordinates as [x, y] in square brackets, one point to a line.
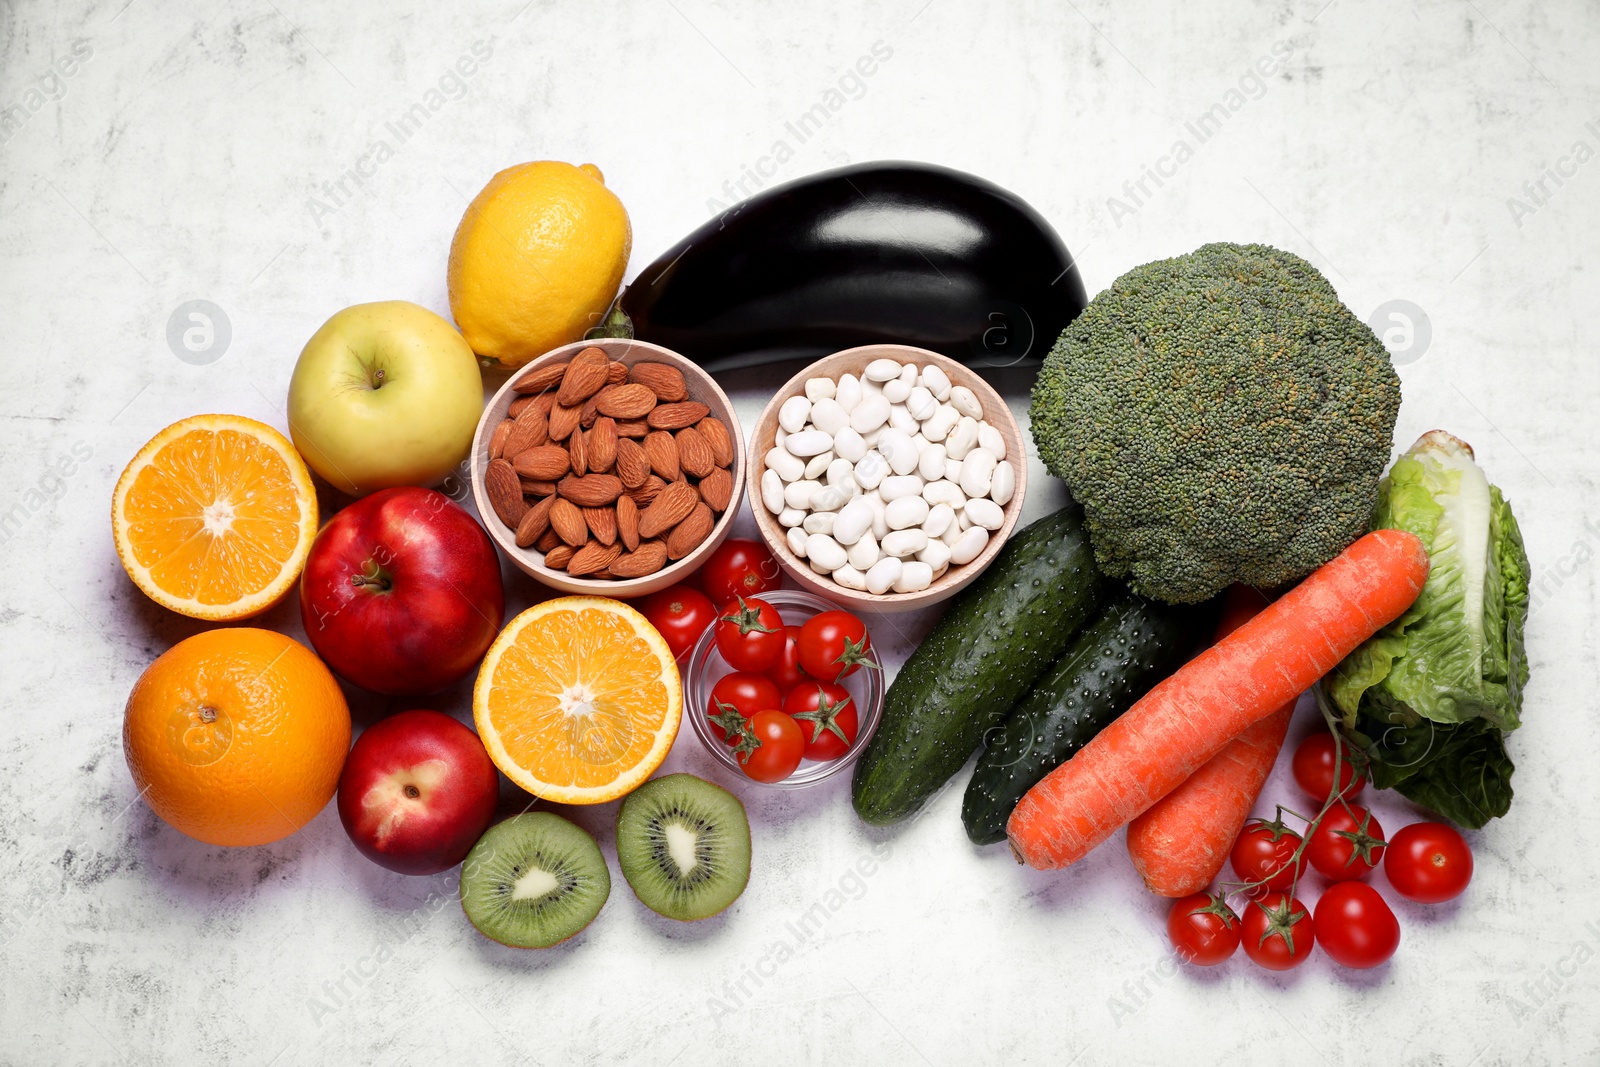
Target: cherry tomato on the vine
[787, 672]
[744, 694]
[834, 645]
[1277, 932]
[1355, 926]
[773, 748]
[1313, 766]
[1204, 931]
[1428, 862]
[749, 634]
[1347, 844]
[681, 614]
[739, 568]
[1264, 854]
[827, 718]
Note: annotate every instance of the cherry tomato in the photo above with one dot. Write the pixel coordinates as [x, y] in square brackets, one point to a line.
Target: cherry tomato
[1355, 926]
[827, 718]
[787, 672]
[834, 645]
[1264, 853]
[750, 634]
[1278, 932]
[1203, 929]
[681, 614]
[1313, 767]
[1428, 862]
[773, 749]
[739, 568]
[1347, 844]
[741, 694]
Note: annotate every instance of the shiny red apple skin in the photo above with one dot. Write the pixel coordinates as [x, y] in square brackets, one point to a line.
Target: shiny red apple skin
[402, 593]
[440, 760]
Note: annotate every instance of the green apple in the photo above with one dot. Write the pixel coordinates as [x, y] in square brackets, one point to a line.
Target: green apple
[385, 394]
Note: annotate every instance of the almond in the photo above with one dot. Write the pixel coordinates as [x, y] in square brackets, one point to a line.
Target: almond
[592, 557]
[676, 416]
[518, 406]
[544, 402]
[602, 522]
[662, 452]
[616, 373]
[497, 440]
[718, 438]
[648, 558]
[500, 485]
[628, 522]
[694, 454]
[538, 488]
[664, 381]
[635, 428]
[591, 410]
[671, 507]
[646, 494]
[633, 466]
[529, 431]
[578, 453]
[537, 381]
[585, 376]
[567, 521]
[535, 521]
[591, 490]
[716, 489]
[602, 442]
[563, 420]
[631, 401]
[687, 535]
[547, 540]
[544, 463]
[558, 557]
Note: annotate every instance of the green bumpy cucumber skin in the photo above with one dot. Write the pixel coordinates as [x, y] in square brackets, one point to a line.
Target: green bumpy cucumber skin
[998, 635]
[1114, 661]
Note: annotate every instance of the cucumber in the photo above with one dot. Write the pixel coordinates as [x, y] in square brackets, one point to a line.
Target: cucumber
[1113, 662]
[998, 635]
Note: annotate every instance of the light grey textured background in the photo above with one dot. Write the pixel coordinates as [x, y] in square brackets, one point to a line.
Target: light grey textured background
[195, 152]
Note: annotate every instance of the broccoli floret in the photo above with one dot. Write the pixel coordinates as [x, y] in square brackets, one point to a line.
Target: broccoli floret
[1222, 417]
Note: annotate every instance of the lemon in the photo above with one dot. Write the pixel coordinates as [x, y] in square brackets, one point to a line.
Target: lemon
[536, 260]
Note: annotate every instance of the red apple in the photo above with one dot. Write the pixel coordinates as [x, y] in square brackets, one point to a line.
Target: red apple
[401, 593]
[417, 792]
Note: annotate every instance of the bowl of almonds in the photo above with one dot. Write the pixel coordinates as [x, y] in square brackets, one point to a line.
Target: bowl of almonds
[611, 467]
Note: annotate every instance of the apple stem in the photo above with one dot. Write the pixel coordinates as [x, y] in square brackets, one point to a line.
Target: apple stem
[372, 576]
[377, 378]
[412, 792]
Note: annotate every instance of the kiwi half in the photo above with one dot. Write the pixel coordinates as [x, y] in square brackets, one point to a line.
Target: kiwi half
[533, 881]
[684, 846]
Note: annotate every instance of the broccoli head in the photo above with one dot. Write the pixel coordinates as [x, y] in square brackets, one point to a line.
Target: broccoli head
[1222, 417]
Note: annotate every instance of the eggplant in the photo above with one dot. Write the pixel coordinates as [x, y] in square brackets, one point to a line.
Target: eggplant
[878, 252]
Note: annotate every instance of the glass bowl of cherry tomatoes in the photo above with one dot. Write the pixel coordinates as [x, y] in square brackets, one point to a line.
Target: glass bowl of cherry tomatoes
[784, 688]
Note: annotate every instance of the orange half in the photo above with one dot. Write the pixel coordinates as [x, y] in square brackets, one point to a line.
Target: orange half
[578, 700]
[215, 516]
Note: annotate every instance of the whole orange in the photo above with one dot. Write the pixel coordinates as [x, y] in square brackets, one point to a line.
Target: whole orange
[236, 736]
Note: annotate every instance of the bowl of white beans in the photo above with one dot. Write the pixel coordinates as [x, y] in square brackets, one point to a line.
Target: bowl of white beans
[886, 476]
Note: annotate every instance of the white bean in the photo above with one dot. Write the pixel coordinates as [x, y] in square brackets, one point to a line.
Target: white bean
[904, 542]
[906, 512]
[899, 485]
[977, 471]
[820, 522]
[808, 443]
[871, 413]
[833, 497]
[820, 389]
[882, 575]
[936, 555]
[829, 416]
[838, 470]
[797, 541]
[970, 546]
[848, 393]
[897, 448]
[953, 534]
[915, 576]
[940, 516]
[936, 382]
[817, 466]
[990, 438]
[952, 470]
[779, 436]
[909, 372]
[817, 568]
[772, 491]
[870, 470]
[962, 439]
[794, 414]
[870, 439]
[921, 404]
[930, 462]
[882, 370]
[790, 467]
[986, 513]
[945, 492]
[798, 494]
[870, 388]
[938, 427]
[864, 553]
[902, 420]
[847, 444]
[825, 552]
[880, 518]
[791, 518]
[895, 392]
[850, 577]
[854, 521]
[1004, 484]
[966, 401]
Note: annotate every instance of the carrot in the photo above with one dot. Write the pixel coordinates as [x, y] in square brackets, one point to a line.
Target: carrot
[1179, 844]
[1184, 721]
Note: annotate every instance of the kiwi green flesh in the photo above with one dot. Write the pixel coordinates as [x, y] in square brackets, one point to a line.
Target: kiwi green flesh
[684, 846]
[533, 881]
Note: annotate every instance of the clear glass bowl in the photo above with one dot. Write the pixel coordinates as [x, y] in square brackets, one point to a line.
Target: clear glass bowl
[705, 667]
